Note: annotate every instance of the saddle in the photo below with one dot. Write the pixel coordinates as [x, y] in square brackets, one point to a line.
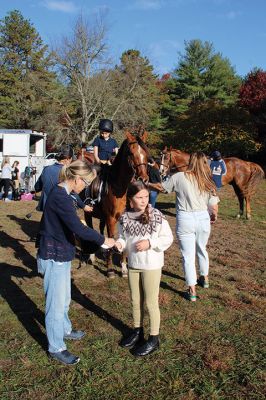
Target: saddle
[98, 188]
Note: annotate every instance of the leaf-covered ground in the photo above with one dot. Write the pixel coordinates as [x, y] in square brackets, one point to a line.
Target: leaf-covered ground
[211, 349]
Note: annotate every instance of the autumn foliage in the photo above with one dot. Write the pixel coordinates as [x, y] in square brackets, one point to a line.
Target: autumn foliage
[253, 92]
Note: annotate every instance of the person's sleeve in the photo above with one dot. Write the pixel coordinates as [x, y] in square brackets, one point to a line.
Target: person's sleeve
[39, 184]
[115, 144]
[121, 237]
[95, 142]
[164, 239]
[67, 214]
[224, 169]
[213, 200]
[169, 186]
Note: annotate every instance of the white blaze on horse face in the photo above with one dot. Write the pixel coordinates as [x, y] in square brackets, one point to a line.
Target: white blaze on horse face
[162, 165]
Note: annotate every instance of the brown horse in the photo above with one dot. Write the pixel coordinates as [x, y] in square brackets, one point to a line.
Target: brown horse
[129, 164]
[244, 176]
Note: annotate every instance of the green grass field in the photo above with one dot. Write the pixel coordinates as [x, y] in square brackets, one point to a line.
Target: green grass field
[211, 349]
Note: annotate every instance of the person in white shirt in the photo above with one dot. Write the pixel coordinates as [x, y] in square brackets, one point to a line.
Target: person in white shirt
[6, 178]
[144, 234]
[196, 209]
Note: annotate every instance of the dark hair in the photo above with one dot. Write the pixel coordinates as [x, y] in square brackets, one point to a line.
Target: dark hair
[65, 153]
[132, 190]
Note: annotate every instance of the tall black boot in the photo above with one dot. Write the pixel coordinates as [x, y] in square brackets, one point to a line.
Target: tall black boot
[151, 345]
[136, 337]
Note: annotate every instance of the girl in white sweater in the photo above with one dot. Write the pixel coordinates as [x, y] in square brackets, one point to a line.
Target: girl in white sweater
[144, 234]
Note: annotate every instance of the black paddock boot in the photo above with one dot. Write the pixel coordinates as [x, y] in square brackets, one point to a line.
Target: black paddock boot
[151, 345]
[136, 337]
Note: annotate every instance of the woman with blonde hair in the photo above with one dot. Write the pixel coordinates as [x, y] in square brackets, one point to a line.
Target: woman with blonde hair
[56, 250]
[196, 209]
[6, 177]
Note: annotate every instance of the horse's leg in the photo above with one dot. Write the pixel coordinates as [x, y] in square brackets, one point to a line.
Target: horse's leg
[248, 207]
[88, 220]
[240, 200]
[102, 225]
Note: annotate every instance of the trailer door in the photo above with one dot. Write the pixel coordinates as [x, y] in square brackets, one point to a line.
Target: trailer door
[15, 144]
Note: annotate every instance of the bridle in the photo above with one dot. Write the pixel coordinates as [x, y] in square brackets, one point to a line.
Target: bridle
[130, 159]
[176, 167]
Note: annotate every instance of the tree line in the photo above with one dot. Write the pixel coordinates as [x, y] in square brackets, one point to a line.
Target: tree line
[201, 105]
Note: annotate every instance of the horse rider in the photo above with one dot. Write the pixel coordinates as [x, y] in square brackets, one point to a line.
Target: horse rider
[104, 145]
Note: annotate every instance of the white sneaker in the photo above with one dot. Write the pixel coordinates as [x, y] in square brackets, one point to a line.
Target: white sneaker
[7, 200]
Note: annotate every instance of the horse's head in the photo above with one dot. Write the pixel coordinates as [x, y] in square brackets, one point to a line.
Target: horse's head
[173, 160]
[138, 155]
[165, 162]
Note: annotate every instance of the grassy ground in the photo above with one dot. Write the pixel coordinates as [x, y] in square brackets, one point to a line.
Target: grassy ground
[211, 349]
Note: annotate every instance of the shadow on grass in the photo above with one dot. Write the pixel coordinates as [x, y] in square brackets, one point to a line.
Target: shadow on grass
[180, 293]
[29, 227]
[89, 305]
[22, 306]
[171, 275]
[20, 253]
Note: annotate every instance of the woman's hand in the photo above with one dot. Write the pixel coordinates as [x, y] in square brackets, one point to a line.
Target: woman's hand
[143, 245]
[213, 218]
[110, 242]
[88, 208]
[119, 246]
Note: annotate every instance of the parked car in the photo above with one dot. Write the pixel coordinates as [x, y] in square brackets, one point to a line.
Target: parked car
[50, 159]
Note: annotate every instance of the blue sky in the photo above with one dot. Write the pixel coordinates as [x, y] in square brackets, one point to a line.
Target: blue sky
[158, 28]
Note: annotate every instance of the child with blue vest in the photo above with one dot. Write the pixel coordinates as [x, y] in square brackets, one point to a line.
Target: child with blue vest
[218, 168]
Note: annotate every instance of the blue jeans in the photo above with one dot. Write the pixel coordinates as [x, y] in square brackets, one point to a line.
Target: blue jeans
[57, 289]
[193, 231]
[153, 197]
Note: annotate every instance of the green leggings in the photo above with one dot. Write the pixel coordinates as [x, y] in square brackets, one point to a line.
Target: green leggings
[144, 285]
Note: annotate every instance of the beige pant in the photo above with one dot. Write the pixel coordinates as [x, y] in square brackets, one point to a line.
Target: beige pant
[144, 286]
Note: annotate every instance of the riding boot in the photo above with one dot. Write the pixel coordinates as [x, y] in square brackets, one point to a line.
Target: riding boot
[151, 345]
[136, 337]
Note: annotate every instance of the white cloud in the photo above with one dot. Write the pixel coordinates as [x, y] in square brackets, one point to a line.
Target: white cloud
[148, 4]
[64, 6]
[233, 14]
[162, 48]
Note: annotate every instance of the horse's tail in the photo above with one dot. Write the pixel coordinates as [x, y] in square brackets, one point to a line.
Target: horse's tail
[256, 175]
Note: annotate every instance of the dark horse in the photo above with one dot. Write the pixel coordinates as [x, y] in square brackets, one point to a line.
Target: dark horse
[244, 176]
[129, 164]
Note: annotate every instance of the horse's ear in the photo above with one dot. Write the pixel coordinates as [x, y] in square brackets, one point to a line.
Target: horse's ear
[144, 136]
[129, 136]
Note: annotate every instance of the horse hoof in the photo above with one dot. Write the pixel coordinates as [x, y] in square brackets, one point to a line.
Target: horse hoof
[249, 217]
[111, 274]
[238, 216]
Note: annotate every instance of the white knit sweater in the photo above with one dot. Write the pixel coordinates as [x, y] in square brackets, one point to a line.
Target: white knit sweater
[157, 231]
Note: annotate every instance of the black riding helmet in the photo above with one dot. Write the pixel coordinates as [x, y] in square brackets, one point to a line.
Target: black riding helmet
[216, 155]
[106, 125]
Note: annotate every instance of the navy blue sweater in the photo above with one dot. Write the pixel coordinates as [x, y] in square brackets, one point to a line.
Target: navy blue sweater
[58, 225]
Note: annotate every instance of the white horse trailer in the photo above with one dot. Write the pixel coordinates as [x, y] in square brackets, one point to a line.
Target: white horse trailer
[26, 146]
